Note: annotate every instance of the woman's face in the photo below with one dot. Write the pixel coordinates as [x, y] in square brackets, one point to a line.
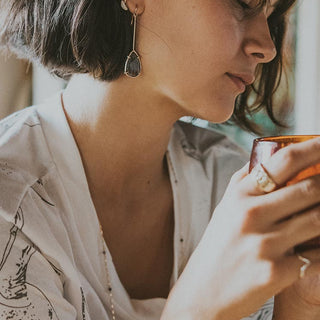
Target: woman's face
[191, 48]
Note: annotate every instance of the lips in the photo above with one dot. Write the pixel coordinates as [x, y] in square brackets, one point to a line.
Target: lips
[246, 78]
[238, 82]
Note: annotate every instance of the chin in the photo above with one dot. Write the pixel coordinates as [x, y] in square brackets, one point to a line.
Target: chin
[218, 120]
[216, 114]
[214, 108]
[217, 108]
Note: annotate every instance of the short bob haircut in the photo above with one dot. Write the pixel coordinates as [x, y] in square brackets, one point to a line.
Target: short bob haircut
[95, 37]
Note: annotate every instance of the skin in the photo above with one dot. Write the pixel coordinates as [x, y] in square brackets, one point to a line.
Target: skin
[183, 74]
[186, 49]
[252, 246]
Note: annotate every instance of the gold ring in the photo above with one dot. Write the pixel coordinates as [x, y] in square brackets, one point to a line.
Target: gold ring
[263, 180]
[304, 267]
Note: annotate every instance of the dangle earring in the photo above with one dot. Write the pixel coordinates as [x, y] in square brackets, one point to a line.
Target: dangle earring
[132, 67]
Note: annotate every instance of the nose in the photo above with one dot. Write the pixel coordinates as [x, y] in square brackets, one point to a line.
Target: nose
[258, 42]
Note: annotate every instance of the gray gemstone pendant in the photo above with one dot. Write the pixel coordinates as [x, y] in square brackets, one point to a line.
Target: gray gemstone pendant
[132, 67]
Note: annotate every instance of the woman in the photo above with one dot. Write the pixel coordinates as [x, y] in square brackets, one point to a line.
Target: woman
[107, 199]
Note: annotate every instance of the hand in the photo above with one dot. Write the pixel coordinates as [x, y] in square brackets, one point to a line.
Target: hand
[244, 257]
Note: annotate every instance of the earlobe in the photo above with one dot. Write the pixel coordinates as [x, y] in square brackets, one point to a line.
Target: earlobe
[131, 5]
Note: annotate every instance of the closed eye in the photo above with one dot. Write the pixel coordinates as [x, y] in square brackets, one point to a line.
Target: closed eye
[243, 4]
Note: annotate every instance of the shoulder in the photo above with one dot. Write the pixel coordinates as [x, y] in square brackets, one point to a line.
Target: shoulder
[22, 145]
[24, 159]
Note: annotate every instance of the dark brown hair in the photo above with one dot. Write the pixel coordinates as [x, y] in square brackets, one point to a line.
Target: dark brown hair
[261, 94]
[68, 36]
[95, 36]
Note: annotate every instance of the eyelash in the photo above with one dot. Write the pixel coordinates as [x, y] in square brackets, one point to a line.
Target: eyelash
[244, 5]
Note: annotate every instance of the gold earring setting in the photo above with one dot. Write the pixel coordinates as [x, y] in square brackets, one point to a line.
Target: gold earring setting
[124, 5]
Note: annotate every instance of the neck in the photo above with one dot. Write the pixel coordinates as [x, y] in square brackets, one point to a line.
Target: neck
[122, 131]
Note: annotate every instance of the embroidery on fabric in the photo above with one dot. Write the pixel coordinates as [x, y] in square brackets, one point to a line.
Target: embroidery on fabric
[5, 168]
[83, 304]
[55, 269]
[41, 192]
[19, 299]
[38, 188]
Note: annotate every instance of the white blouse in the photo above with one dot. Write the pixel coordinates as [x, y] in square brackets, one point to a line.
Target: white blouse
[51, 251]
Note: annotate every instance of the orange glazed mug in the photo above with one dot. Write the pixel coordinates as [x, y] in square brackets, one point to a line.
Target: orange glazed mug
[264, 148]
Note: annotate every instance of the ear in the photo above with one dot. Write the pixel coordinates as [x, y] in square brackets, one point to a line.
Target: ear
[133, 4]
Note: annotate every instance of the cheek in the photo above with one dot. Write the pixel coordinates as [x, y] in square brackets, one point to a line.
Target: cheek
[190, 38]
[202, 42]
[211, 29]
[190, 52]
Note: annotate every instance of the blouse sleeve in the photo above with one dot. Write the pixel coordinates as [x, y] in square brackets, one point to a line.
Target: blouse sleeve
[30, 287]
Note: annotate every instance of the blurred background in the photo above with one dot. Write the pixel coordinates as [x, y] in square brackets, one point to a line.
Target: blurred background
[23, 84]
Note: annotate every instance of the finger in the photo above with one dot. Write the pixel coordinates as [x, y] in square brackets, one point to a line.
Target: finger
[299, 229]
[240, 174]
[284, 202]
[286, 164]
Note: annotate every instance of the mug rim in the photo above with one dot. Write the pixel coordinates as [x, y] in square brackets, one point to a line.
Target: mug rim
[286, 138]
